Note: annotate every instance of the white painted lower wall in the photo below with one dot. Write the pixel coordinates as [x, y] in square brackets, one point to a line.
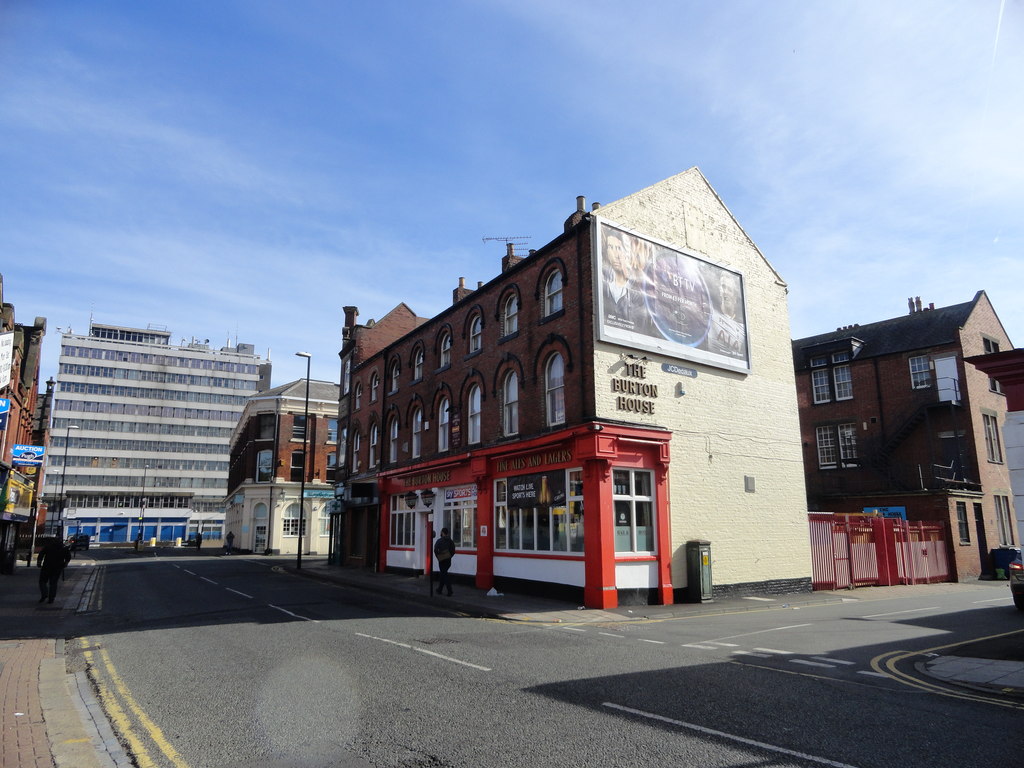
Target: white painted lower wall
[535, 569]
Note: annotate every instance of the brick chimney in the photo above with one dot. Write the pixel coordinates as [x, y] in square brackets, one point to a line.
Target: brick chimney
[577, 217]
[461, 292]
[510, 259]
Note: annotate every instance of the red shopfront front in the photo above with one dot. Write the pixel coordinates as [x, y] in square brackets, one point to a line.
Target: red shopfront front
[579, 514]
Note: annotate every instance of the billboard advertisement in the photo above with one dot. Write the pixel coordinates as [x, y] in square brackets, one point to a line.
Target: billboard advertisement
[659, 298]
[6, 357]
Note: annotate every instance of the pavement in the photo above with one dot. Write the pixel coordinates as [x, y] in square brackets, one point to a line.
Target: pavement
[51, 718]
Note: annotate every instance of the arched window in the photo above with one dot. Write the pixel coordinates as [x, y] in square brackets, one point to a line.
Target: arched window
[510, 317]
[553, 293]
[290, 521]
[357, 446]
[417, 365]
[476, 335]
[358, 396]
[374, 443]
[442, 425]
[473, 435]
[417, 432]
[554, 388]
[259, 511]
[446, 350]
[394, 374]
[393, 441]
[374, 387]
[510, 404]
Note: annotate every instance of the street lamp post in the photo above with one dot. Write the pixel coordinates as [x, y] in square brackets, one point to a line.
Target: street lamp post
[142, 509]
[305, 459]
[63, 474]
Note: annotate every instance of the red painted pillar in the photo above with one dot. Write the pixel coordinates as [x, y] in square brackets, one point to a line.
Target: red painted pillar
[599, 536]
[665, 594]
[484, 535]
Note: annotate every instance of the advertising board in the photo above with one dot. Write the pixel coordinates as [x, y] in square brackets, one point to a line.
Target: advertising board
[659, 298]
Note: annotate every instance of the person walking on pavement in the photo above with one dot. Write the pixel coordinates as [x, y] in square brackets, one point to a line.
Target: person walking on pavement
[199, 539]
[53, 558]
[229, 542]
[444, 551]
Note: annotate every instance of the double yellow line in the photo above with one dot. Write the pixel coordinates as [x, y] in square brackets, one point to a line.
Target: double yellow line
[124, 712]
[886, 664]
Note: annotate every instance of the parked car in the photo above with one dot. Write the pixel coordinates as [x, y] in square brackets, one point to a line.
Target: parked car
[1016, 571]
[78, 541]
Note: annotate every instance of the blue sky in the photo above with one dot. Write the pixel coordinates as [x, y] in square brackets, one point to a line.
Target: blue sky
[244, 169]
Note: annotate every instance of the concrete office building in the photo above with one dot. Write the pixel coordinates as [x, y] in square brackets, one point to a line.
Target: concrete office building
[141, 432]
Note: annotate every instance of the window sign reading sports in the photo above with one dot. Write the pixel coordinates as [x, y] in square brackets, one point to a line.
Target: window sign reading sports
[542, 490]
[656, 297]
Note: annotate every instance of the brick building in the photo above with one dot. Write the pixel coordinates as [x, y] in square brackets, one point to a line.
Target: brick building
[23, 421]
[576, 420]
[267, 463]
[894, 423]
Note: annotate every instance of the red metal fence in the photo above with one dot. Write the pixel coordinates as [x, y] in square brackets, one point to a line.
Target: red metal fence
[857, 551]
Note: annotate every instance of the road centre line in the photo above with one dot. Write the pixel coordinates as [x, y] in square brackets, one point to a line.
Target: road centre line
[206, 579]
[229, 589]
[728, 736]
[772, 650]
[573, 629]
[996, 600]
[807, 663]
[654, 642]
[751, 653]
[611, 634]
[833, 661]
[191, 573]
[454, 661]
[297, 616]
[423, 650]
[759, 632]
[897, 613]
[701, 646]
[871, 674]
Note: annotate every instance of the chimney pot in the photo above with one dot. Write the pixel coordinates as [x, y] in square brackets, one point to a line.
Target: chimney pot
[917, 303]
[581, 203]
[595, 206]
[462, 282]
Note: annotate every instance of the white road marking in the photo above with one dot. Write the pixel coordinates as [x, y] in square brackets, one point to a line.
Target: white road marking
[833, 661]
[424, 650]
[997, 600]
[727, 645]
[655, 642]
[760, 632]
[897, 613]
[229, 589]
[454, 661]
[729, 736]
[751, 653]
[702, 647]
[807, 663]
[772, 650]
[611, 634]
[871, 674]
[206, 579]
[572, 629]
[282, 610]
[186, 570]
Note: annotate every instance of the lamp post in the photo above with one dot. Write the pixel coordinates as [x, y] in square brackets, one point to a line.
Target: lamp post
[63, 474]
[305, 458]
[142, 508]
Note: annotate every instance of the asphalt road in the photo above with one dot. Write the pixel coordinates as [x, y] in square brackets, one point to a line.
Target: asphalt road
[224, 662]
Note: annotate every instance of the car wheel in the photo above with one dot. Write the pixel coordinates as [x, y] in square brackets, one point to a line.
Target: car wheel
[1018, 600]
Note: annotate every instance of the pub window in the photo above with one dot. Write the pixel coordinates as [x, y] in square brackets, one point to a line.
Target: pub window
[633, 500]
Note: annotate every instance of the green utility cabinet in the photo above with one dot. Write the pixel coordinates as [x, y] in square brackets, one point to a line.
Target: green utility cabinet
[698, 571]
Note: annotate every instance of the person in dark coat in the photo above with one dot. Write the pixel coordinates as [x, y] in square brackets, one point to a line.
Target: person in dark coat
[199, 539]
[444, 551]
[53, 558]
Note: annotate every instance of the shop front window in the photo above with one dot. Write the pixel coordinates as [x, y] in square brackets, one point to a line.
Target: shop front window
[539, 513]
[633, 498]
[403, 523]
[458, 514]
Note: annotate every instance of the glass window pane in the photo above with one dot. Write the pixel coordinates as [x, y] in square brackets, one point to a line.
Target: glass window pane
[642, 484]
[528, 530]
[576, 526]
[620, 482]
[644, 526]
[543, 528]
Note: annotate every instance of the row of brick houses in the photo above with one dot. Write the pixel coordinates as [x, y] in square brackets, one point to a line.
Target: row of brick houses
[589, 415]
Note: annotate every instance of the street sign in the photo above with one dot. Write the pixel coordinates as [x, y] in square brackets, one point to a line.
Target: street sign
[5, 404]
[27, 455]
